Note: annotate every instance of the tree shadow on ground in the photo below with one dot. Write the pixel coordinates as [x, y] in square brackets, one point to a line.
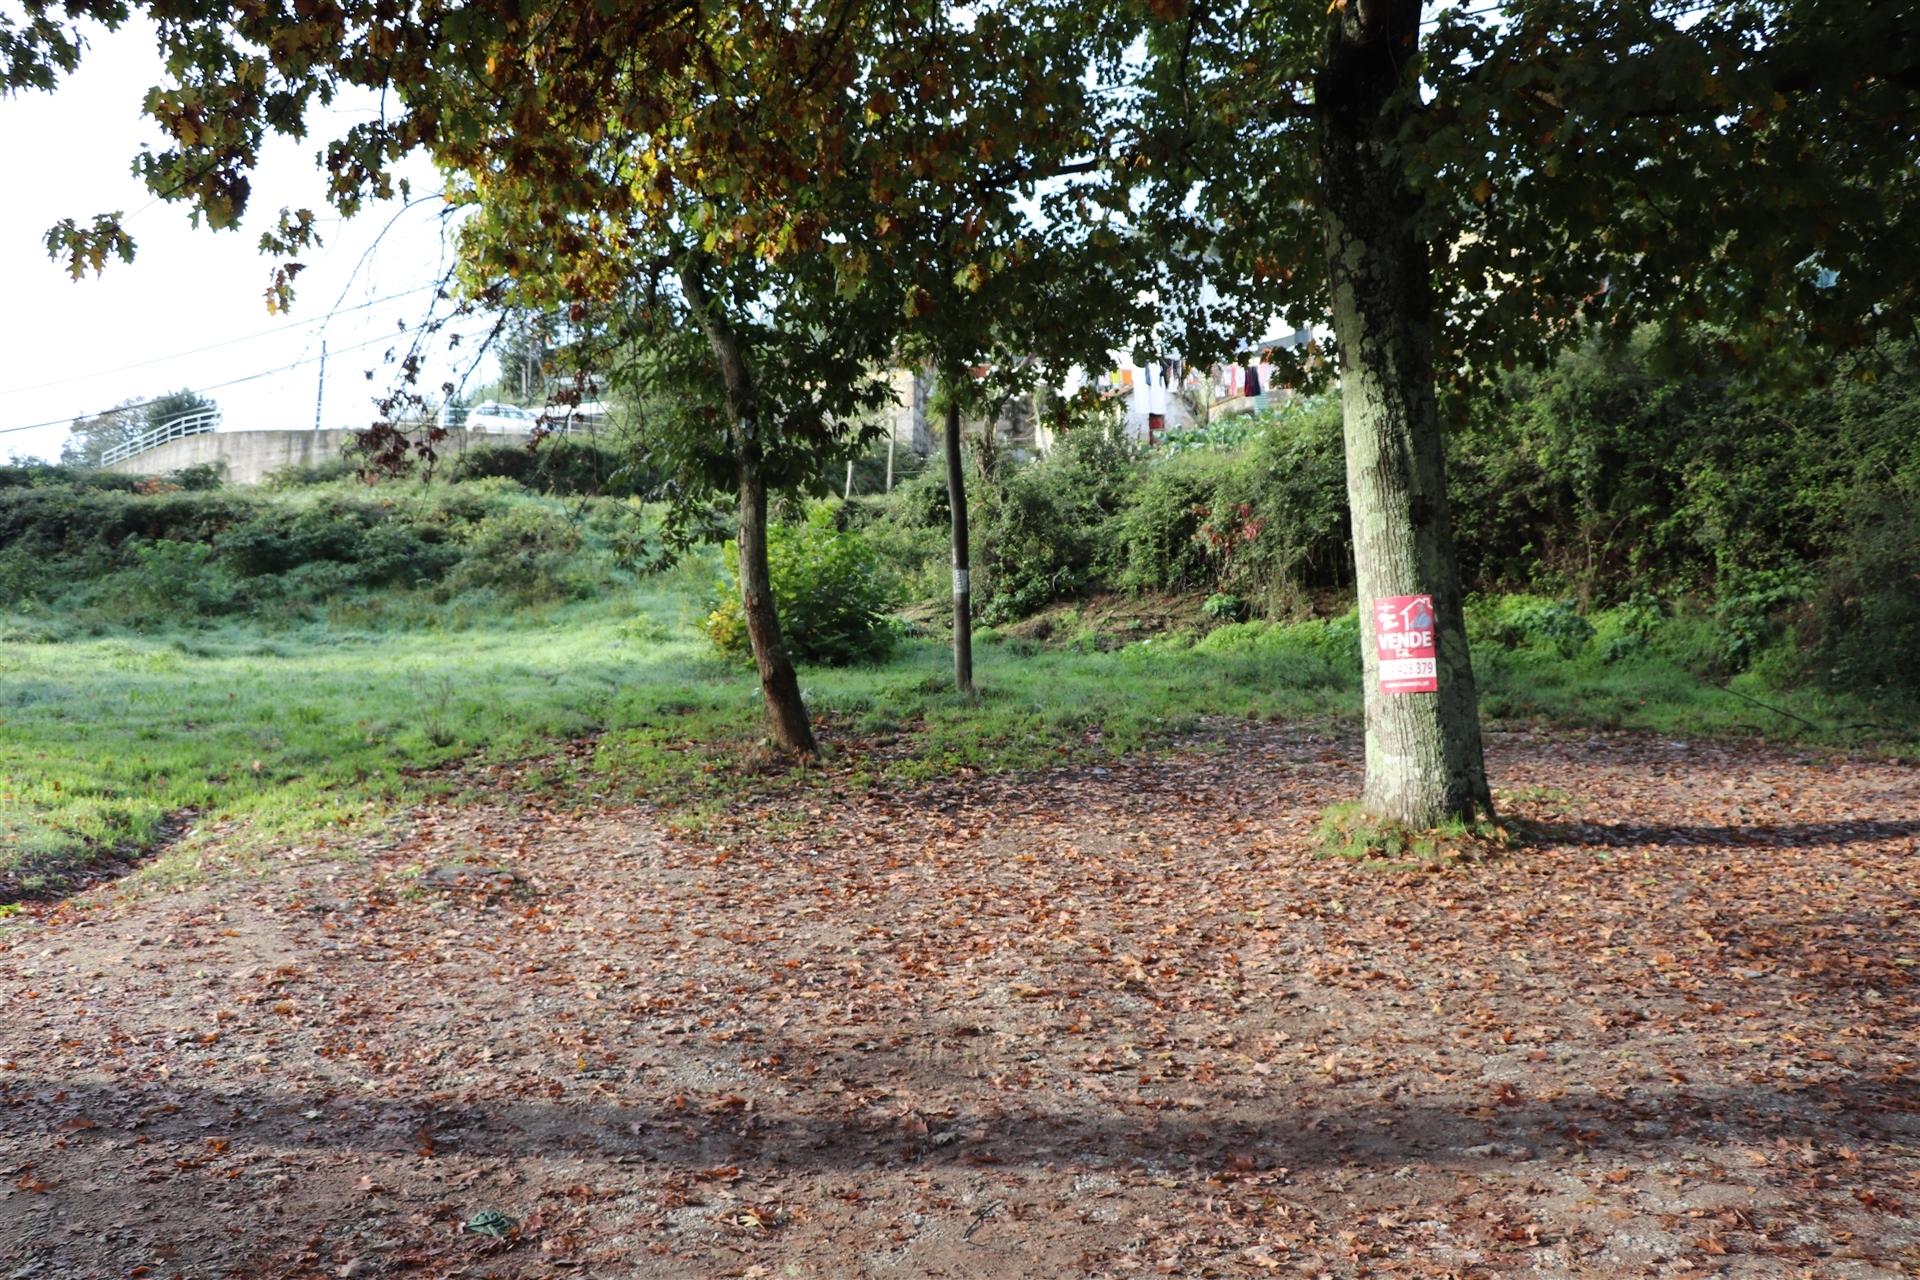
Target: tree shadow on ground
[1452, 1132]
[1758, 835]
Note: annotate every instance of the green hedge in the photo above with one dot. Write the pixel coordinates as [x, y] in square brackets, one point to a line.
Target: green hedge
[114, 557]
[1607, 478]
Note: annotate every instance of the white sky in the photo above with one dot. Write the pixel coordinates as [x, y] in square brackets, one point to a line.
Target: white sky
[190, 310]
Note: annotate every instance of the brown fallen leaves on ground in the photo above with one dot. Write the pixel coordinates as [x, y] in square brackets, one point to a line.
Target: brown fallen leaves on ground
[1095, 1023]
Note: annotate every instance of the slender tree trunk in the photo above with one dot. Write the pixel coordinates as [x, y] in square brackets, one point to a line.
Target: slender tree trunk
[962, 578]
[787, 721]
[779, 686]
[1424, 759]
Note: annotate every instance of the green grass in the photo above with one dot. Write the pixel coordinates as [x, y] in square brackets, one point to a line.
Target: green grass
[1665, 678]
[1380, 845]
[269, 734]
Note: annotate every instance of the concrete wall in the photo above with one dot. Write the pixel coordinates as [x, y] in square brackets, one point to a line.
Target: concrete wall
[248, 457]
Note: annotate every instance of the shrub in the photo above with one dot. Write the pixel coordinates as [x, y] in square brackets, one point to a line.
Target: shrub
[36, 475]
[1223, 606]
[278, 539]
[1864, 623]
[558, 465]
[303, 475]
[199, 477]
[117, 557]
[1033, 550]
[828, 589]
[1519, 621]
[1265, 522]
[1631, 628]
[1040, 526]
[524, 553]
[920, 502]
[1750, 609]
[1095, 466]
[170, 580]
[1301, 467]
[1156, 540]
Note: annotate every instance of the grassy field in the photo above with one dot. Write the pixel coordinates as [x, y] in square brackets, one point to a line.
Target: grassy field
[266, 734]
[288, 731]
[250, 669]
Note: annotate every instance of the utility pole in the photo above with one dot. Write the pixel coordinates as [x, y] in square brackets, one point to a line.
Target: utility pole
[320, 396]
[962, 578]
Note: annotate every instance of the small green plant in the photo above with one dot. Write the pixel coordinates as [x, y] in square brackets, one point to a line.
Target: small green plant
[1530, 620]
[1751, 604]
[1634, 625]
[827, 586]
[198, 478]
[1224, 606]
[1863, 625]
[1035, 543]
[172, 579]
[1378, 844]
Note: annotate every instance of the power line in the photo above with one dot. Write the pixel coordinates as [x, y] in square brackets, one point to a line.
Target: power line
[216, 346]
[380, 238]
[216, 386]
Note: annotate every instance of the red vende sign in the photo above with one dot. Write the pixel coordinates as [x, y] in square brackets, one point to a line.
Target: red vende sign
[1403, 637]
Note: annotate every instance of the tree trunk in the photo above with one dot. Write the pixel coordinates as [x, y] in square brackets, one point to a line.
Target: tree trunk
[962, 579]
[787, 721]
[1424, 759]
[779, 686]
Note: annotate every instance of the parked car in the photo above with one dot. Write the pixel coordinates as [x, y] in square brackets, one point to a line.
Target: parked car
[489, 415]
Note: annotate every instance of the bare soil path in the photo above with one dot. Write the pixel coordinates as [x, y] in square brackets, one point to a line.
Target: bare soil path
[1094, 1023]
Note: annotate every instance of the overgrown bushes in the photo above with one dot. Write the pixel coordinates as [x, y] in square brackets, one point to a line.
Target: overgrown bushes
[115, 557]
[559, 465]
[1613, 495]
[1605, 479]
[1257, 513]
[1864, 622]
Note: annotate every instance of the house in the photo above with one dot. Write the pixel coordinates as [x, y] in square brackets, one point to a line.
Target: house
[1156, 396]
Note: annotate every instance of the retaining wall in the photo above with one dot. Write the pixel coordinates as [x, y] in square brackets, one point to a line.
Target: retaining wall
[248, 457]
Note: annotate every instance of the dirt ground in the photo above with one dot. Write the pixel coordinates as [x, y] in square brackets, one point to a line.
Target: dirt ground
[1094, 1023]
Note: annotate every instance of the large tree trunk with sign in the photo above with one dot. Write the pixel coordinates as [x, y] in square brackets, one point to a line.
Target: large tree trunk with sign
[787, 722]
[1424, 759]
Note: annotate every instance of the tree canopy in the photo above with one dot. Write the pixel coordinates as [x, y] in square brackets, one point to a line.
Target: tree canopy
[1570, 162]
[1748, 160]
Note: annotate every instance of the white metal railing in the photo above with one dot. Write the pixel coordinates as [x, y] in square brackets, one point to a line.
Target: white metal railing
[199, 422]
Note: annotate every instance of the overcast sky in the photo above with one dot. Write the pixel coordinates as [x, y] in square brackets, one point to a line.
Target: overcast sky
[190, 311]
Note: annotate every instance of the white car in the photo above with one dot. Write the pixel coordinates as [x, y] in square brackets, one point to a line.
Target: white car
[490, 415]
